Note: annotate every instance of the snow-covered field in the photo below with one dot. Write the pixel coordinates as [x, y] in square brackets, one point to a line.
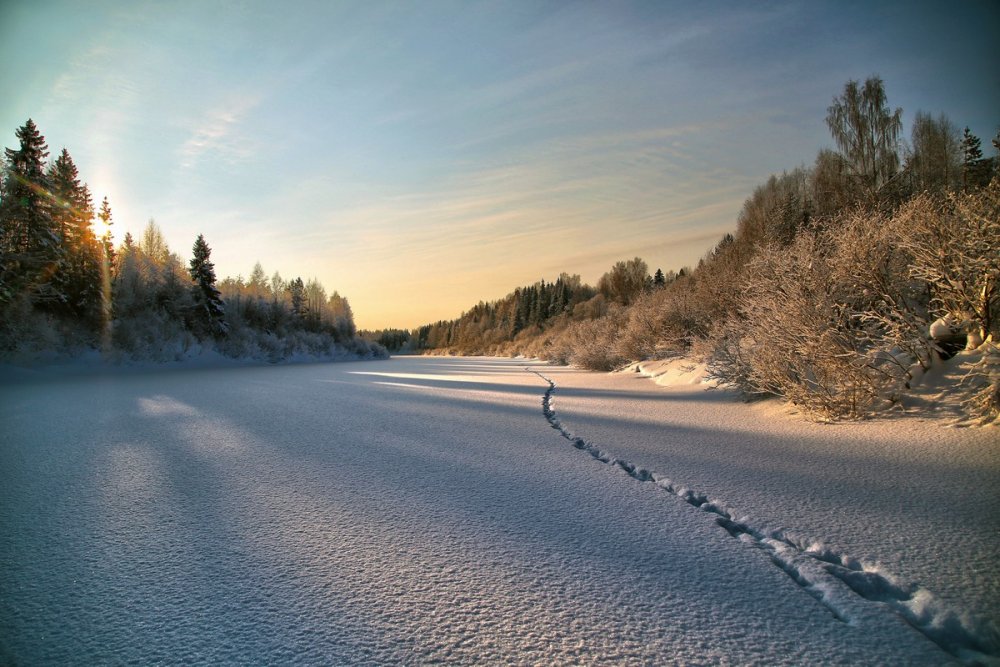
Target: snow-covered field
[433, 509]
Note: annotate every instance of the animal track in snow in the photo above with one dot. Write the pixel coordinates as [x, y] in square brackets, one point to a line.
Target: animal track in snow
[837, 581]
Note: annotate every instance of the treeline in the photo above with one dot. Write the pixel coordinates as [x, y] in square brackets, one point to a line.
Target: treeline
[65, 286]
[827, 292]
[524, 312]
[499, 326]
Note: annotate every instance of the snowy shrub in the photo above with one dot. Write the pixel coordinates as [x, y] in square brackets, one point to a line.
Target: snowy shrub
[23, 329]
[731, 359]
[641, 331]
[984, 377]
[871, 270]
[798, 339]
[28, 335]
[594, 344]
[556, 345]
[955, 244]
[153, 335]
[664, 322]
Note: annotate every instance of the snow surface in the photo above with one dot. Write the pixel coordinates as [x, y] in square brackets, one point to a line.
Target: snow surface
[423, 509]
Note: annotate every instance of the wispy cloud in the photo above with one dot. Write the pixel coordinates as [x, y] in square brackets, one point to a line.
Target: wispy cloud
[218, 133]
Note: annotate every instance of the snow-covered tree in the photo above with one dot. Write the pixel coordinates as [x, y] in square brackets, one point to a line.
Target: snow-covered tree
[867, 133]
[956, 250]
[625, 281]
[31, 248]
[107, 238]
[297, 297]
[257, 285]
[78, 279]
[342, 317]
[209, 310]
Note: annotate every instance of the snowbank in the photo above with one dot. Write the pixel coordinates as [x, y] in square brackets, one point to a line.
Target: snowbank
[945, 391]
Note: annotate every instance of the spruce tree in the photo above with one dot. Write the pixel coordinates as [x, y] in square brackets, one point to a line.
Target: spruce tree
[297, 294]
[107, 261]
[971, 147]
[974, 173]
[209, 310]
[106, 237]
[78, 279]
[30, 246]
[659, 280]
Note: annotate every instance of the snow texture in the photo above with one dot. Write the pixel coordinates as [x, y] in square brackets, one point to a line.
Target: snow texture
[421, 509]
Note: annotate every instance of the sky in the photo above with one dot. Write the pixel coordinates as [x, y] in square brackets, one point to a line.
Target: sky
[420, 157]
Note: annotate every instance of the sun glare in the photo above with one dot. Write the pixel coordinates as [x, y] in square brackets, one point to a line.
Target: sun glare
[100, 228]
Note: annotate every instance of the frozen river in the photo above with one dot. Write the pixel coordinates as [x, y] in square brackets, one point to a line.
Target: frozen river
[424, 509]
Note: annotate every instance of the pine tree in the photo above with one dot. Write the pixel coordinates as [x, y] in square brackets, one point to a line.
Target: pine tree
[30, 246]
[974, 173]
[659, 280]
[297, 294]
[209, 310]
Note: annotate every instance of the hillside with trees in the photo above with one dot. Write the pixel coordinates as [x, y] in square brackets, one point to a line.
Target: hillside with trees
[842, 283]
[65, 287]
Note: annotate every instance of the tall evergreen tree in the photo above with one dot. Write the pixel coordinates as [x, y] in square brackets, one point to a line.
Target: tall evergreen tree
[107, 238]
[297, 294]
[30, 246]
[78, 279]
[209, 311]
[107, 258]
[971, 147]
[975, 170]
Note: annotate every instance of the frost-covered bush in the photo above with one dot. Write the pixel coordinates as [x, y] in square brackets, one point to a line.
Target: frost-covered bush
[28, 334]
[955, 245]
[642, 329]
[152, 335]
[984, 404]
[595, 344]
[731, 359]
[870, 268]
[834, 321]
[798, 337]
[663, 322]
[24, 330]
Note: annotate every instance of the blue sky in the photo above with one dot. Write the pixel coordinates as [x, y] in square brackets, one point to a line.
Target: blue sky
[418, 157]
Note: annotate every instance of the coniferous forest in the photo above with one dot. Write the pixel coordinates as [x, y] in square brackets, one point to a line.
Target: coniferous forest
[66, 287]
[842, 282]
